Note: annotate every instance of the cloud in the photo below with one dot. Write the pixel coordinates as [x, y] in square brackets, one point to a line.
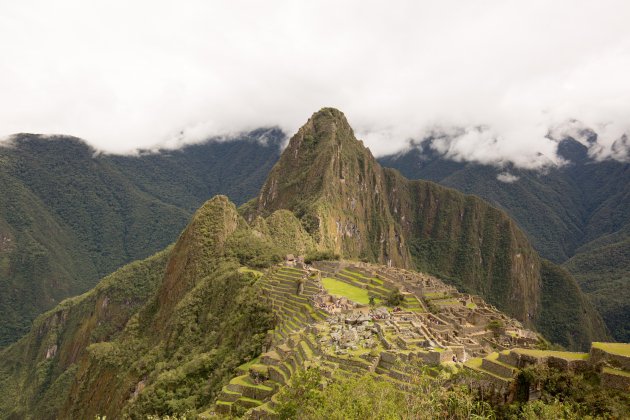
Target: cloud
[498, 75]
[507, 177]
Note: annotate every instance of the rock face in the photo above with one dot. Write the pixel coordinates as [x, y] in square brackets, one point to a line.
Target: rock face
[338, 190]
[354, 207]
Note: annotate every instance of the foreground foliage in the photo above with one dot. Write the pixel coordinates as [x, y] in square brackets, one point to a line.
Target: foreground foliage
[439, 393]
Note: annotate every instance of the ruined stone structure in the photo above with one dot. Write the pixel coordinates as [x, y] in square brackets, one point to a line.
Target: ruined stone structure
[434, 324]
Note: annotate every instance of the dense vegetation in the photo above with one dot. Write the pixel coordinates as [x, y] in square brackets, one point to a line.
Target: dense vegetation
[576, 214]
[174, 326]
[69, 216]
[442, 393]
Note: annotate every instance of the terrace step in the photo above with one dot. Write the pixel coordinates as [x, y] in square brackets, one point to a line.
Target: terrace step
[247, 403]
[492, 364]
[475, 366]
[615, 378]
[224, 407]
[228, 396]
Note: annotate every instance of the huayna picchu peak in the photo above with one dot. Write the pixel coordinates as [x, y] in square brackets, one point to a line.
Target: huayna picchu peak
[339, 273]
[354, 207]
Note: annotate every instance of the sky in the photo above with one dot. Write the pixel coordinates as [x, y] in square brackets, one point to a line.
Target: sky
[492, 81]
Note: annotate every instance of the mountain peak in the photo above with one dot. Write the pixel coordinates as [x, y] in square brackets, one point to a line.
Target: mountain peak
[333, 184]
[326, 126]
[328, 116]
[312, 163]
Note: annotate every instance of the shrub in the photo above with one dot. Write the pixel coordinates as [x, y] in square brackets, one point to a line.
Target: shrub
[395, 298]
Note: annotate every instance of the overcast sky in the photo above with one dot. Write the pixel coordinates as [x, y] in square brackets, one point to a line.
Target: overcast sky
[491, 78]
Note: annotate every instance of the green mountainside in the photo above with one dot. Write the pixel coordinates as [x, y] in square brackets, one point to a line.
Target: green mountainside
[164, 335]
[177, 323]
[576, 215]
[354, 207]
[69, 216]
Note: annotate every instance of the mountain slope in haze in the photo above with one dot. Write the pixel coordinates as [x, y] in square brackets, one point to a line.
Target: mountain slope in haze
[187, 177]
[576, 215]
[352, 206]
[69, 216]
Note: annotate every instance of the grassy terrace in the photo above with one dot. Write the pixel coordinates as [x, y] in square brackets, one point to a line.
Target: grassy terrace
[244, 368]
[339, 288]
[245, 380]
[249, 270]
[436, 295]
[616, 372]
[621, 349]
[474, 363]
[446, 302]
[560, 354]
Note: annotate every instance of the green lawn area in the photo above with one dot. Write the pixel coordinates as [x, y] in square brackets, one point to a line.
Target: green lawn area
[338, 288]
[622, 349]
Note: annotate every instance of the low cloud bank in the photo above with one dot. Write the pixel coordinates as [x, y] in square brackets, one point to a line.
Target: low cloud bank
[492, 81]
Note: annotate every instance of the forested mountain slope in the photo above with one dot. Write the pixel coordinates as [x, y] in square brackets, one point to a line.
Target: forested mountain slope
[576, 215]
[69, 215]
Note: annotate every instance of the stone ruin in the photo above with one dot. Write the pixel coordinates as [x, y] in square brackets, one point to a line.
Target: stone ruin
[435, 324]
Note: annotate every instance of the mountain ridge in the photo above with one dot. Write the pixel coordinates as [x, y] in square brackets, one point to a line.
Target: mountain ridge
[356, 208]
[69, 215]
[574, 215]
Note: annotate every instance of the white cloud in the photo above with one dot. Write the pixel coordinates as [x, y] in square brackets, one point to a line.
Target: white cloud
[507, 177]
[126, 75]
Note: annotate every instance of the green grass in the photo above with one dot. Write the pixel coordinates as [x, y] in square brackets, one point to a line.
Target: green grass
[474, 363]
[446, 302]
[436, 295]
[560, 354]
[249, 270]
[338, 288]
[245, 381]
[616, 372]
[622, 349]
[245, 366]
[412, 303]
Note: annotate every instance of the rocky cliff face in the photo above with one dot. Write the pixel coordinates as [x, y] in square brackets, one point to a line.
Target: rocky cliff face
[353, 206]
[336, 187]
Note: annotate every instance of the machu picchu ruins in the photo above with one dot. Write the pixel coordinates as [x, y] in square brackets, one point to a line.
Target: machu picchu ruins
[339, 316]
